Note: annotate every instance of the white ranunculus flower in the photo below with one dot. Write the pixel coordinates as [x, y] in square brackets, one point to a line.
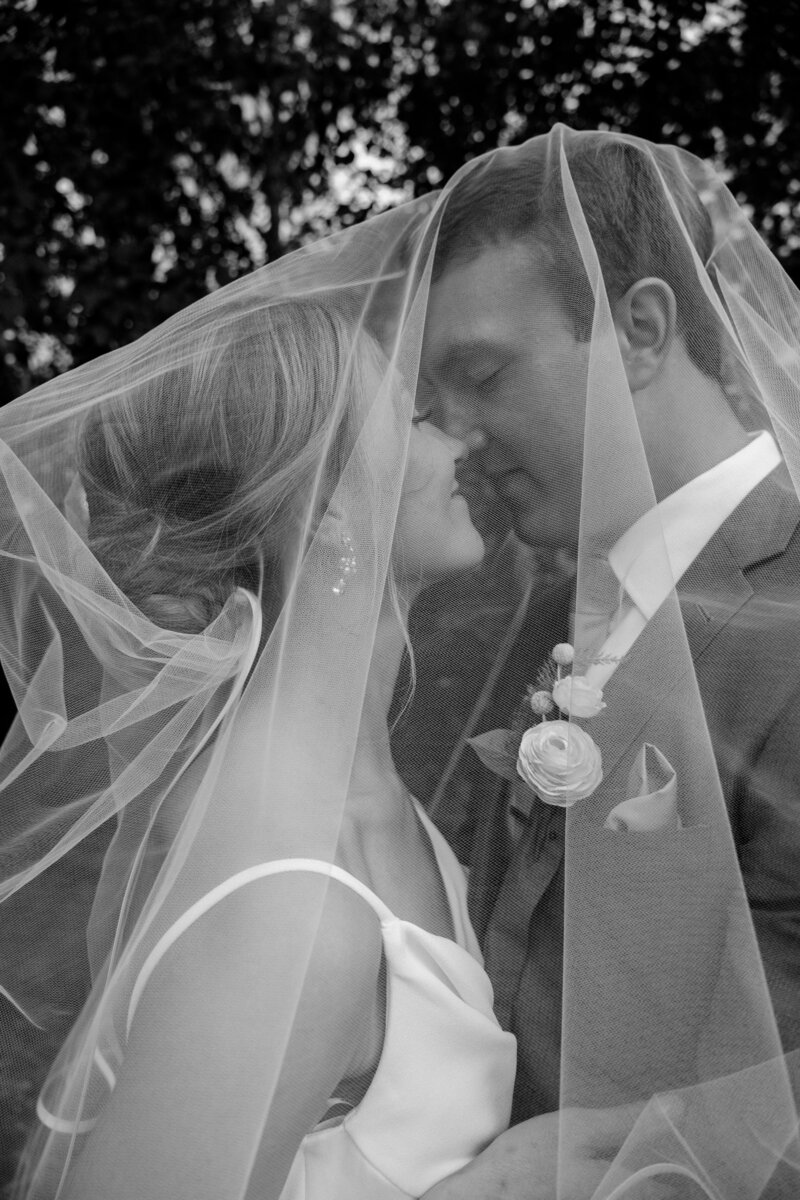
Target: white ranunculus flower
[575, 696]
[560, 762]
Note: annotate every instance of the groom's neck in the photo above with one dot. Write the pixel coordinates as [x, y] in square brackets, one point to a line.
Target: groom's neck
[687, 425]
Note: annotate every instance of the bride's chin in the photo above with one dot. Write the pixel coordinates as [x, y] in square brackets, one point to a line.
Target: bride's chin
[449, 566]
[474, 558]
[473, 552]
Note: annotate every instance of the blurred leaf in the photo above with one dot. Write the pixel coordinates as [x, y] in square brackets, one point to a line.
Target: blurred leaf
[497, 750]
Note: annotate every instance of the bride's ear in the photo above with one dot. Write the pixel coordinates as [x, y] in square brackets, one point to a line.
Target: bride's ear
[645, 321]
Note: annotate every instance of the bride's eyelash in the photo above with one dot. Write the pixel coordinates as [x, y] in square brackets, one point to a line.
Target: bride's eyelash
[422, 414]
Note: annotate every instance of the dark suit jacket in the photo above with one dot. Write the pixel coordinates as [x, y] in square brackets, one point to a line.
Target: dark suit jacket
[740, 603]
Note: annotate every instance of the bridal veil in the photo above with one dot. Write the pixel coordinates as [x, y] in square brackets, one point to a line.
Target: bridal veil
[187, 628]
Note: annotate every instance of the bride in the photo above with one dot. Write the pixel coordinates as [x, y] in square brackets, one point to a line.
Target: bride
[307, 1026]
[211, 540]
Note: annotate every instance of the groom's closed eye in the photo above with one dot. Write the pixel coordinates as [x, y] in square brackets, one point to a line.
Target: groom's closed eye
[475, 366]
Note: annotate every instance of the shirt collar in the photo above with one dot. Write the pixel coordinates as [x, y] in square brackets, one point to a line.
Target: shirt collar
[654, 553]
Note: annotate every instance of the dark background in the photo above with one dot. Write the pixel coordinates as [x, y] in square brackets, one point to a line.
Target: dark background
[153, 149]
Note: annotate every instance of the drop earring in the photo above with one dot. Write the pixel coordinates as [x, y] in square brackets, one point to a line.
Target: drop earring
[347, 564]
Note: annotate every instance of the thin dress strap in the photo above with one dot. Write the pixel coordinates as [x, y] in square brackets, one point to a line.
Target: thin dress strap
[201, 906]
[249, 875]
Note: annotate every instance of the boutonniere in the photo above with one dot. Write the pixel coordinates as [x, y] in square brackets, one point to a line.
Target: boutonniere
[556, 758]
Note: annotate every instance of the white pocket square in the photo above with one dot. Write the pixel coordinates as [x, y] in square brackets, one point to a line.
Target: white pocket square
[653, 796]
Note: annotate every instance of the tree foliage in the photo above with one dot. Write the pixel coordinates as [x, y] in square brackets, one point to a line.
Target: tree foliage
[721, 79]
[151, 149]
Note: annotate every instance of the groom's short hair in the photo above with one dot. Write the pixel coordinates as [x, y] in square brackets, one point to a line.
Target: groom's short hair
[514, 197]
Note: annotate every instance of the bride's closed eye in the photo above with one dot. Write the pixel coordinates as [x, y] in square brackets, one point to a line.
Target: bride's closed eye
[422, 414]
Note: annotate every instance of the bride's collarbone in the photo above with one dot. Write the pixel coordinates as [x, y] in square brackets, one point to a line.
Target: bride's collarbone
[401, 868]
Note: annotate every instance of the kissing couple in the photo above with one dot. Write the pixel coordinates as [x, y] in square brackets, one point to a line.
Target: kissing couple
[570, 969]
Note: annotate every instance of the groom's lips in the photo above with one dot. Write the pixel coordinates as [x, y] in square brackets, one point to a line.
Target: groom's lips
[511, 479]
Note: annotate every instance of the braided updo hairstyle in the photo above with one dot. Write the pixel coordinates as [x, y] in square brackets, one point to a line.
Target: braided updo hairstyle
[191, 477]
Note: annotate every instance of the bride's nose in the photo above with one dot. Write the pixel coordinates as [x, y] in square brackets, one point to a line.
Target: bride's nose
[460, 448]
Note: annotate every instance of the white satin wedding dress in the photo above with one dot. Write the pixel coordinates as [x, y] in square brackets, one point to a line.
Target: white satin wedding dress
[443, 1086]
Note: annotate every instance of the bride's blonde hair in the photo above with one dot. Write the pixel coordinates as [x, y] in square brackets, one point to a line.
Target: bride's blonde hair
[193, 479]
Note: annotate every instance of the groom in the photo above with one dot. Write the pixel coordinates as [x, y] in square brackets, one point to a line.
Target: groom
[507, 361]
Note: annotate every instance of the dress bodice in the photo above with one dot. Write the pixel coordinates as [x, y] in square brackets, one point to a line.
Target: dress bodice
[442, 1088]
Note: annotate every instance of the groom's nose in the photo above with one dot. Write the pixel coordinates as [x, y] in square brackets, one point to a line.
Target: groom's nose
[459, 423]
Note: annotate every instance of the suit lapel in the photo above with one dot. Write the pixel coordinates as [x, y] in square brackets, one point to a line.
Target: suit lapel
[546, 623]
[716, 585]
[711, 593]
[763, 524]
[629, 707]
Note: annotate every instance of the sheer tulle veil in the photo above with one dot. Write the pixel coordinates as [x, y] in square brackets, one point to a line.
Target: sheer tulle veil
[197, 539]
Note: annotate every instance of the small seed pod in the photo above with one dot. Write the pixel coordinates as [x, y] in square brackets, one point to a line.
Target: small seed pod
[541, 703]
[563, 654]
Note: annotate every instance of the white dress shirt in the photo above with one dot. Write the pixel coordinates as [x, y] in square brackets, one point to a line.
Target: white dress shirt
[659, 548]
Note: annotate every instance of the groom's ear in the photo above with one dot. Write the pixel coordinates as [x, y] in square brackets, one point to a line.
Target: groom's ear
[645, 321]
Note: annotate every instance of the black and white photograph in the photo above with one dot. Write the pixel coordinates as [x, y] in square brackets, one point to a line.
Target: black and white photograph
[400, 600]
